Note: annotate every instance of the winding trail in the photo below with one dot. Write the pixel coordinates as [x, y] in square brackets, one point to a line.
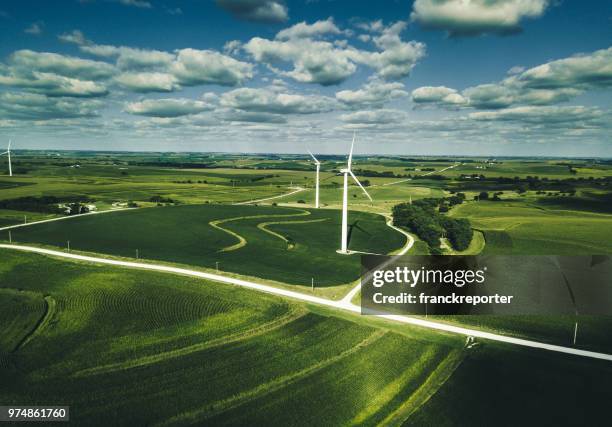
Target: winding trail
[311, 299]
[241, 240]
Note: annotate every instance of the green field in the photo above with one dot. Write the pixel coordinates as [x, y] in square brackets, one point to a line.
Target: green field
[141, 348]
[516, 227]
[133, 347]
[288, 245]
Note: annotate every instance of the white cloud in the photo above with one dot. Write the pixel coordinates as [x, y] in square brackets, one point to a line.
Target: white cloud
[270, 11]
[270, 101]
[30, 106]
[53, 85]
[193, 67]
[585, 71]
[189, 67]
[136, 3]
[304, 30]
[437, 95]
[327, 63]
[171, 107]
[474, 17]
[68, 66]
[375, 117]
[34, 29]
[542, 115]
[148, 82]
[372, 95]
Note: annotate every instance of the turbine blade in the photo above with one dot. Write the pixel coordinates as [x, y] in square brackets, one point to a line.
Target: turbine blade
[314, 158]
[9, 146]
[350, 158]
[359, 184]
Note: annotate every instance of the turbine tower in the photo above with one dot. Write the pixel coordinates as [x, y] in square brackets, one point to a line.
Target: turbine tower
[8, 153]
[347, 172]
[318, 164]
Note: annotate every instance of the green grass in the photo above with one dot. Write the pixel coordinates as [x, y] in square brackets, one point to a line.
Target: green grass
[183, 234]
[142, 348]
[522, 228]
[510, 386]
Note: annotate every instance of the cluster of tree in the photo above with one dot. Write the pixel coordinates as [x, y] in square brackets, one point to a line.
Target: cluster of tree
[160, 200]
[189, 181]
[43, 204]
[423, 217]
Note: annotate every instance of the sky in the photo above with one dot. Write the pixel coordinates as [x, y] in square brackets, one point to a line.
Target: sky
[422, 77]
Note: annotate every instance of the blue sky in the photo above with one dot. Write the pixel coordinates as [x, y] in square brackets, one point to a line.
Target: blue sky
[485, 77]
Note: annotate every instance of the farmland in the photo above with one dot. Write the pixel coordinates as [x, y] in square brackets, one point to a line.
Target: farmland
[142, 347]
[283, 244]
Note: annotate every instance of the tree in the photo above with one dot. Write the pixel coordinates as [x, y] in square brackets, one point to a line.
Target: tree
[483, 195]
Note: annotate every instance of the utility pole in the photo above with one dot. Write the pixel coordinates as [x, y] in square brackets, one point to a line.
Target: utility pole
[68, 245]
[312, 284]
[136, 253]
[10, 237]
[217, 265]
[25, 219]
[575, 331]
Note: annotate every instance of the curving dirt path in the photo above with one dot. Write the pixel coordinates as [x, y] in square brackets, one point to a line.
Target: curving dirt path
[241, 240]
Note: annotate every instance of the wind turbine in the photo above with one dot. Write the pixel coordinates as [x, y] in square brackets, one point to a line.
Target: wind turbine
[318, 164]
[347, 172]
[8, 153]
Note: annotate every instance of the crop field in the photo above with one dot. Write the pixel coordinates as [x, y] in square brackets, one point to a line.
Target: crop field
[282, 244]
[529, 229]
[510, 387]
[141, 347]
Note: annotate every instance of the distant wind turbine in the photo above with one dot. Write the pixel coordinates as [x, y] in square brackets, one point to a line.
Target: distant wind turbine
[318, 164]
[347, 172]
[8, 153]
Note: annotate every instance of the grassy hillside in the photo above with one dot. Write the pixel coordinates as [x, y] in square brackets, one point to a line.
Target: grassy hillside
[522, 228]
[139, 348]
[283, 244]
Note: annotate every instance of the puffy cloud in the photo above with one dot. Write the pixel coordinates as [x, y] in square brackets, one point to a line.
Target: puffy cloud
[550, 83]
[475, 17]
[586, 71]
[63, 65]
[54, 85]
[75, 37]
[147, 82]
[251, 117]
[304, 30]
[372, 95]
[313, 61]
[269, 101]
[172, 107]
[374, 117]
[437, 95]
[256, 10]
[55, 75]
[326, 63]
[193, 67]
[542, 115]
[30, 106]
[170, 71]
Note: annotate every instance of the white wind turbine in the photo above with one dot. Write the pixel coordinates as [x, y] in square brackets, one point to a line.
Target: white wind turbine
[8, 153]
[347, 172]
[318, 164]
